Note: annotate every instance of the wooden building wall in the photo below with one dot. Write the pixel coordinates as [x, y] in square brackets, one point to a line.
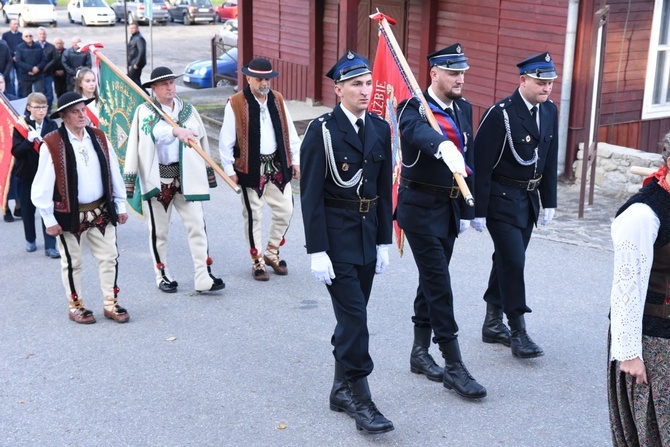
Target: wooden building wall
[625, 70]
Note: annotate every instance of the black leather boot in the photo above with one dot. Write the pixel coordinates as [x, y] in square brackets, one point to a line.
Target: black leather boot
[522, 345]
[420, 360]
[494, 330]
[456, 375]
[368, 418]
[340, 396]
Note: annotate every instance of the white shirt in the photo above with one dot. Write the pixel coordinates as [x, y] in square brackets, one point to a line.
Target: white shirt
[633, 234]
[228, 137]
[89, 178]
[167, 145]
[352, 118]
[530, 107]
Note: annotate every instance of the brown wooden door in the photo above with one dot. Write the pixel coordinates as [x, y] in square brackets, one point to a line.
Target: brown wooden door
[368, 29]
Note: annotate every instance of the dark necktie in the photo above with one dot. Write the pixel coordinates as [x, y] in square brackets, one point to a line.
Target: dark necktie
[449, 111]
[361, 130]
[533, 114]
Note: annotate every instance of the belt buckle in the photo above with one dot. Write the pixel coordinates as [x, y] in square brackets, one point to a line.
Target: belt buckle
[364, 206]
[454, 192]
[532, 185]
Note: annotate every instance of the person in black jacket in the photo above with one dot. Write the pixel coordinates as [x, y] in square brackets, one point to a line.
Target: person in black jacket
[516, 172]
[50, 53]
[59, 75]
[73, 59]
[30, 64]
[137, 54]
[432, 212]
[25, 168]
[5, 60]
[13, 38]
[345, 194]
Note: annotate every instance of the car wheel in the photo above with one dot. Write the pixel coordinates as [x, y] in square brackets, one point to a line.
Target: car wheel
[186, 19]
[22, 23]
[171, 19]
[54, 24]
[69, 17]
[224, 83]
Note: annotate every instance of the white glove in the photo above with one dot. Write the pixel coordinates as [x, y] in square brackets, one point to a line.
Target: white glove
[479, 223]
[547, 216]
[464, 226]
[33, 135]
[322, 268]
[382, 258]
[452, 158]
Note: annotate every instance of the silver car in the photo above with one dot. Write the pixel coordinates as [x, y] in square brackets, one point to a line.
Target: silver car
[135, 12]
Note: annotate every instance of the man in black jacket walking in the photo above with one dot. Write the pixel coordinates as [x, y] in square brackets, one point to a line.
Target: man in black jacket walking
[137, 54]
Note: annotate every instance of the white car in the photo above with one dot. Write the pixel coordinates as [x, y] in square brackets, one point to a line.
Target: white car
[30, 12]
[90, 12]
[228, 33]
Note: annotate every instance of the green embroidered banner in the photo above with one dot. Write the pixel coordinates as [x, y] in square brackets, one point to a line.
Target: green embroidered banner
[118, 102]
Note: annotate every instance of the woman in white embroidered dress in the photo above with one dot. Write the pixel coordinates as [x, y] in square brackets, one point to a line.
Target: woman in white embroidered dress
[86, 84]
[639, 352]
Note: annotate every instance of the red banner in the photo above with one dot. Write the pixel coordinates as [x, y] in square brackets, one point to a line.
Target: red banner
[389, 89]
[8, 120]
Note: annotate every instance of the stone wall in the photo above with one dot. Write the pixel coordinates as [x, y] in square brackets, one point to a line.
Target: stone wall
[613, 174]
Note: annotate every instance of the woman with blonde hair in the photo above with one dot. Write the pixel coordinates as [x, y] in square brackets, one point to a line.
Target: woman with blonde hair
[86, 84]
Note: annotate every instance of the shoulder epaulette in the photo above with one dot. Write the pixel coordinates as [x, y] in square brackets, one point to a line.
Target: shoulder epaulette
[374, 115]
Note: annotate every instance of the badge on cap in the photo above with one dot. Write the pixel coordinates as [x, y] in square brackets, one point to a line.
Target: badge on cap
[547, 57]
[350, 55]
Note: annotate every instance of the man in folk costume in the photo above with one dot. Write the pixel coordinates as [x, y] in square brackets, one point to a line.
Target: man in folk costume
[515, 172]
[345, 195]
[432, 213]
[78, 190]
[260, 151]
[171, 176]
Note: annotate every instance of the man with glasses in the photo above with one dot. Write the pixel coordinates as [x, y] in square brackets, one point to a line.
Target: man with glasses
[79, 192]
[30, 63]
[260, 150]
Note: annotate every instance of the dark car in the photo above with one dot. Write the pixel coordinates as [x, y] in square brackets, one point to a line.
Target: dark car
[226, 11]
[198, 74]
[191, 11]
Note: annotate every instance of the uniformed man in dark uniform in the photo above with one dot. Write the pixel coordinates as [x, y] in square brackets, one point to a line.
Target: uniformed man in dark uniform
[432, 212]
[346, 206]
[516, 166]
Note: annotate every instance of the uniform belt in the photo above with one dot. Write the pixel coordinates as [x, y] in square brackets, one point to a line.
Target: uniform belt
[83, 207]
[362, 206]
[169, 171]
[452, 191]
[657, 310]
[528, 185]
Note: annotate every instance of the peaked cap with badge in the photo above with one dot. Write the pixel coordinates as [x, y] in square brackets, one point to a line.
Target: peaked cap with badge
[539, 66]
[449, 58]
[349, 66]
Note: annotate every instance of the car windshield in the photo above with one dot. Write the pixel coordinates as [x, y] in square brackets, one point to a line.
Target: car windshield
[94, 4]
[205, 3]
[38, 2]
[229, 55]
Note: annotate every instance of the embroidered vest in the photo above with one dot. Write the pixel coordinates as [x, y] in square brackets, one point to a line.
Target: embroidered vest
[66, 203]
[658, 291]
[247, 148]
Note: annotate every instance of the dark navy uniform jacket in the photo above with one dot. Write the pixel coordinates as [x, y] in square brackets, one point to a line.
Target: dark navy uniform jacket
[493, 157]
[346, 235]
[423, 212]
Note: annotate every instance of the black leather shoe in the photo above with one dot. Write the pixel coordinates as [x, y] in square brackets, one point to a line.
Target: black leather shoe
[168, 286]
[368, 418]
[494, 330]
[420, 360]
[8, 217]
[218, 285]
[523, 346]
[340, 395]
[456, 375]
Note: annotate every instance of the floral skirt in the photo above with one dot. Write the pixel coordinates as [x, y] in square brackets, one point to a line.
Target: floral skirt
[639, 413]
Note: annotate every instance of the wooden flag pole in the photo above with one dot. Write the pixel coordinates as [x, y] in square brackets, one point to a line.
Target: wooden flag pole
[418, 93]
[94, 48]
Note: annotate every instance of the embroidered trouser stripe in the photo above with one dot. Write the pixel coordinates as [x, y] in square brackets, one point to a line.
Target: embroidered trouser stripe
[192, 216]
[103, 248]
[160, 272]
[281, 204]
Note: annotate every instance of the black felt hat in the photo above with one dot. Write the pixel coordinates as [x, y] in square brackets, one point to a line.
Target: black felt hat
[68, 100]
[160, 74]
[260, 68]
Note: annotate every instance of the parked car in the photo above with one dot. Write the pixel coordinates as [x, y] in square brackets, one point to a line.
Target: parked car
[191, 11]
[228, 33]
[137, 12]
[198, 74]
[226, 11]
[90, 12]
[30, 12]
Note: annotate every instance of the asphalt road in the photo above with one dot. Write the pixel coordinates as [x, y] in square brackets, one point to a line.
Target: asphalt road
[252, 366]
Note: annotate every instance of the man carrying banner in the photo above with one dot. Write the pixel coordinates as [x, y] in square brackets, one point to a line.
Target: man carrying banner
[432, 213]
[78, 190]
[516, 166]
[345, 194]
[172, 176]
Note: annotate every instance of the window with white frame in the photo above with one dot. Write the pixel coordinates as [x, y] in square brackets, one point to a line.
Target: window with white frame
[657, 87]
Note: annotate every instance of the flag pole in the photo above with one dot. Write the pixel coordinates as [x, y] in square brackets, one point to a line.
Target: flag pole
[93, 47]
[4, 102]
[418, 93]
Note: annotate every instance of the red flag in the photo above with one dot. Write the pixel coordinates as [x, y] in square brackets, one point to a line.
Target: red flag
[9, 119]
[390, 88]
